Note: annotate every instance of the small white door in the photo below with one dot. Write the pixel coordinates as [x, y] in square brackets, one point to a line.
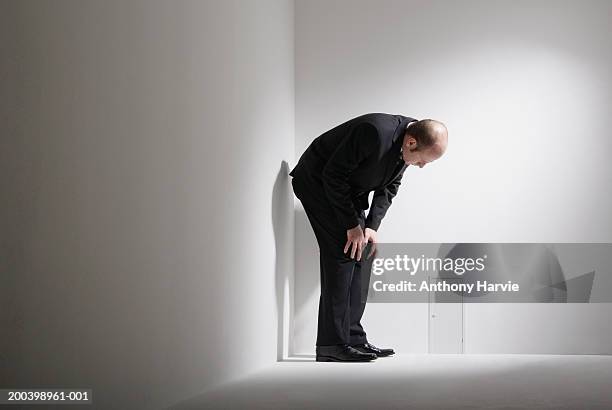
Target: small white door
[445, 320]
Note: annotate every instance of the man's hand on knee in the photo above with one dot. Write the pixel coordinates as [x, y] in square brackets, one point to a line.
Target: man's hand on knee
[355, 240]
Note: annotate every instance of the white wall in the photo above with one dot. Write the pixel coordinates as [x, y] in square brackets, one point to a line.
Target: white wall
[525, 91]
[142, 182]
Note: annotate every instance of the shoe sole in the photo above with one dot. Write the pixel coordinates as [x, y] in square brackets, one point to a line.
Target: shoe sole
[333, 359]
[387, 355]
[379, 355]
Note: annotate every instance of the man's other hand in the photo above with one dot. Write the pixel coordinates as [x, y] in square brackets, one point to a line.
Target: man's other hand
[370, 236]
[355, 240]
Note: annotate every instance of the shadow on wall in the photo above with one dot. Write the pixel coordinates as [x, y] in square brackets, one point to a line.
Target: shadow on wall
[282, 224]
[535, 266]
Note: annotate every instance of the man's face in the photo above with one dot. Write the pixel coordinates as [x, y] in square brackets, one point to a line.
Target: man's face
[419, 158]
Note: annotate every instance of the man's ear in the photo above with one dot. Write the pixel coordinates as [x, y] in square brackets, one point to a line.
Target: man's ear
[411, 143]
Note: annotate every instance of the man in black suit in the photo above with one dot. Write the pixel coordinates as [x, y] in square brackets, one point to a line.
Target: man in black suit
[333, 180]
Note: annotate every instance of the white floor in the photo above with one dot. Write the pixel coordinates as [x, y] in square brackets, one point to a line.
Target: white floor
[422, 382]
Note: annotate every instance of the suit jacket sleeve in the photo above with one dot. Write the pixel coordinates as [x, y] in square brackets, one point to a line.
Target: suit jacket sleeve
[356, 146]
[381, 201]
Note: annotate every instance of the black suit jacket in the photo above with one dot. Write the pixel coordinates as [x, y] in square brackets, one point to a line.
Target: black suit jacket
[353, 159]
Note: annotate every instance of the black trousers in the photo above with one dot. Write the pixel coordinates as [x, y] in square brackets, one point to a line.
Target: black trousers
[343, 298]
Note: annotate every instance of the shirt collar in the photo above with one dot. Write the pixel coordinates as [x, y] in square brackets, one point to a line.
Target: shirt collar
[400, 137]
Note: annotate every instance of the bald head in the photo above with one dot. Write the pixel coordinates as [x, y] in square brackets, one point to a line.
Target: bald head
[424, 142]
[429, 134]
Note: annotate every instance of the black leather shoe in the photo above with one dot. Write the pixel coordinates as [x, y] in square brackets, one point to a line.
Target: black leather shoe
[342, 353]
[369, 348]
